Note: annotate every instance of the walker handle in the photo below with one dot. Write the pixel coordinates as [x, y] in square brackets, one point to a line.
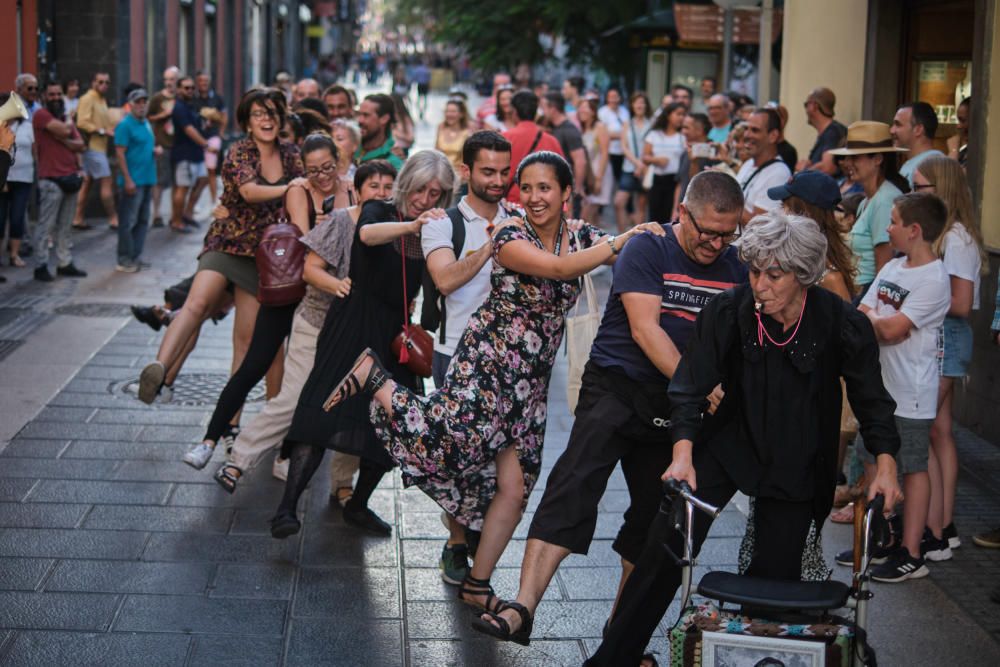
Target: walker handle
[683, 489]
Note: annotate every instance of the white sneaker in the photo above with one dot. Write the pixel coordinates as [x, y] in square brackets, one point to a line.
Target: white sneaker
[165, 395]
[198, 456]
[228, 439]
[280, 468]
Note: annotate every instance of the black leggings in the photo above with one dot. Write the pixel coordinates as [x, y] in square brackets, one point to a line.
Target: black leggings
[273, 325]
[305, 459]
[661, 198]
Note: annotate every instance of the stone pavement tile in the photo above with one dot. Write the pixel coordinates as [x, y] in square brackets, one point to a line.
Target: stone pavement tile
[160, 433]
[84, 649]
[23, 574]
[50, 515]
[322, 642]
[95, 372]
[487, 651]
[88, 386]
[563, 619]
[124, 451]
[423, 525]
[219, 548]
[117, 360]
[100, 492]
[160, 415]
[247, 494]
[57, 469]
[256, 521]
[595, 583]
[440, 620]
[369, 592]
[160, 519]
[58, 543]
[108, 576]
[32, 448]
[600, 555]
[425, 584]
[15, 489]
[270, 581]
[50, 429]
[77, 399]
[56, 611]
[201, 615]
[65, 414]
[221, 651]
[346, 547]
[166, 471]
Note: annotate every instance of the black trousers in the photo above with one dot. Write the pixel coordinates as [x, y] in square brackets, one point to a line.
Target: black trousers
[605, 433]
[617, 161]
[661, 198]
[272, 327]
[781, 529]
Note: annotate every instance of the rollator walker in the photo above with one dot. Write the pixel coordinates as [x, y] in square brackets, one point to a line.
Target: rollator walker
[781, 623]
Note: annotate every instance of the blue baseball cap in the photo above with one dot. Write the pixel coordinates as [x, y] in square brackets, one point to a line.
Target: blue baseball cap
[812, 187]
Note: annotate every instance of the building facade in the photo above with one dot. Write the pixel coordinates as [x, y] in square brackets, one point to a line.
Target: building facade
[239, 42]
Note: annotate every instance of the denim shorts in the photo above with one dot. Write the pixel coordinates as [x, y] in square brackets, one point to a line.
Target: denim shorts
[95, 163]
[957, 354]
[914, 447]
[629, 183]
[186, 173]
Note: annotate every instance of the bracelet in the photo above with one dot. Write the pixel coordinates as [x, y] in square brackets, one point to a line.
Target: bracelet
[611, 244]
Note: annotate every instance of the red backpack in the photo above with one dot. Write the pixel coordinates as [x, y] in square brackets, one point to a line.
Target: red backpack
[281, 258]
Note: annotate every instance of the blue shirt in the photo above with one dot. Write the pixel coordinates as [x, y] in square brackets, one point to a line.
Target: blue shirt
[910, 166]
[657, 265]
[871, 229]
[184, 148]
[136, 137]
[720, 134]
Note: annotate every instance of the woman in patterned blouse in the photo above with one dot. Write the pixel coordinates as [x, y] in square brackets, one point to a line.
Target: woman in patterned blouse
[256, 174]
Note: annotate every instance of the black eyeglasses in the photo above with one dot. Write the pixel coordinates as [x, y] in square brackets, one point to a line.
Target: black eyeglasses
[923, 186]
[707, 235]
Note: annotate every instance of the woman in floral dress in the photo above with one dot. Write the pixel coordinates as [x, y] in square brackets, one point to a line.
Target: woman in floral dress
[475, 445]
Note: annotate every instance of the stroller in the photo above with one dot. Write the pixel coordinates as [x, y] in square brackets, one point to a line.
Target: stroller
[781, 622]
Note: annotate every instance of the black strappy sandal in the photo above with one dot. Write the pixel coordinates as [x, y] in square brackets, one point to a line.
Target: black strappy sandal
[472, 586]
[501, 630]
[350, 386]
[226, 479]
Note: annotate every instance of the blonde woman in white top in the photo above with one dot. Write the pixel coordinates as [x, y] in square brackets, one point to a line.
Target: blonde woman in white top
[633, 169]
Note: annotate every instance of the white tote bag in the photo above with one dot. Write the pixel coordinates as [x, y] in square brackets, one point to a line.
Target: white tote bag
[580, 333]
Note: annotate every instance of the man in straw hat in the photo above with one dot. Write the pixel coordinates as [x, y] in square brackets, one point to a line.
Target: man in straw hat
[868, 164]
[830, 133]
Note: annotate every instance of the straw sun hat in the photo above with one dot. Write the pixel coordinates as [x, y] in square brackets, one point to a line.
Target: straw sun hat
[868, 136]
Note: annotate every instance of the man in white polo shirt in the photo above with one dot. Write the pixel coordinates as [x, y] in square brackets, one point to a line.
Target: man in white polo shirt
[764, 169]
[458, 249]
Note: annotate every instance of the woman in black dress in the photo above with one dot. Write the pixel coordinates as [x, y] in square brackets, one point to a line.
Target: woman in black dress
[371, 315]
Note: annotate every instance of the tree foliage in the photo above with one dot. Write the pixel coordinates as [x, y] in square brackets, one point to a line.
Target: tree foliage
[504, 34]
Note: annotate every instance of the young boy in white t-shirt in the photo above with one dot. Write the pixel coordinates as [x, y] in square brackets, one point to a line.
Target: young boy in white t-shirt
[907, 304]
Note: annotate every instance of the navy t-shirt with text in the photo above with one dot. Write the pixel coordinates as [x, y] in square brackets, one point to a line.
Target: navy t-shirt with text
[657, 265]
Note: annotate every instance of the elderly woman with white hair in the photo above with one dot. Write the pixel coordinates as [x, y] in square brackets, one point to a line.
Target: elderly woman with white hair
[385, 257]
[779, 347]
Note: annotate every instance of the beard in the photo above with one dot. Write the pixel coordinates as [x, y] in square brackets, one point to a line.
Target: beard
[57, 108]
[484, 193]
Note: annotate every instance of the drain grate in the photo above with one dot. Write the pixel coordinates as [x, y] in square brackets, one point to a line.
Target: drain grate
[94, 310]
[8, 346]
[191, 389]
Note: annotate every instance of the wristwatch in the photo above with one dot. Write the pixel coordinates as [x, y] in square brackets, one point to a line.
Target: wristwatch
[611, 244]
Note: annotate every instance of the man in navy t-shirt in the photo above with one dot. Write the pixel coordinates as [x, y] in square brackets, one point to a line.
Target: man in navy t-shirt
[187, 155]
[660, 285]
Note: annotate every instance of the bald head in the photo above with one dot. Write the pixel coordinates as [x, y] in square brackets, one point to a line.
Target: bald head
[305, 88]
[825, 101]
[718, 110]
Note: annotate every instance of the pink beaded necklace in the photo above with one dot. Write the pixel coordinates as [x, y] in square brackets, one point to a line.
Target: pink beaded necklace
[762, 331]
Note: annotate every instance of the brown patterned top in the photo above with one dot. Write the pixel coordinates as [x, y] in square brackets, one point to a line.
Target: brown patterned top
[240, 233]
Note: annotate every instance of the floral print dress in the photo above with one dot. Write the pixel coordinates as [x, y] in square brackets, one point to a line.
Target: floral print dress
[494, 395]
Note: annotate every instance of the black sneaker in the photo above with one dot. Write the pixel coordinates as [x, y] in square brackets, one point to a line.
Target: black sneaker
[934, 549]
[951, 534]
[366, 519]
[147, 315]
[70, 271]
[879, 555]
[900, 567]
[42, 274]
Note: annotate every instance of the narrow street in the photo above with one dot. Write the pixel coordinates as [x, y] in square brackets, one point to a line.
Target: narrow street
[114, 552]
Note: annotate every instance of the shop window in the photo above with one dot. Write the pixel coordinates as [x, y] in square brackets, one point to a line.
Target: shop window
[944, 84]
